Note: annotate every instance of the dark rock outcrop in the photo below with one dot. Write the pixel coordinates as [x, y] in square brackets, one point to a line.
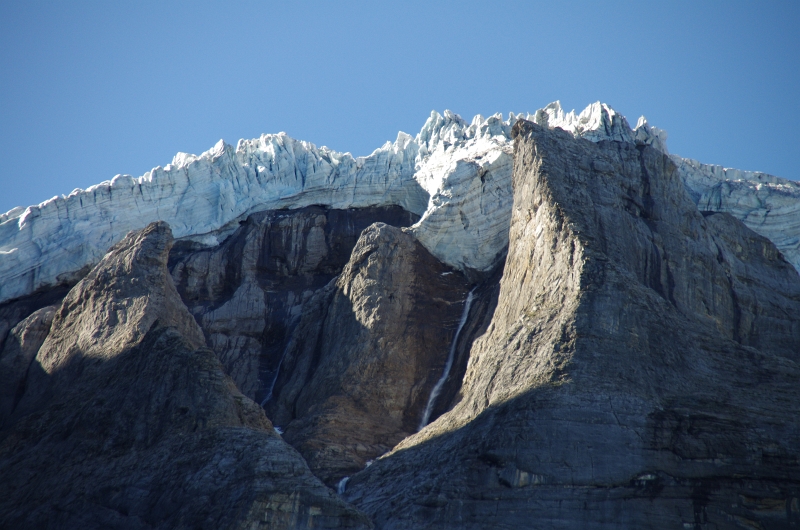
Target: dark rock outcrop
[129, 421]
[368, 351]
[640, 369]
[248, 293]
[20, 348]
[15, 311]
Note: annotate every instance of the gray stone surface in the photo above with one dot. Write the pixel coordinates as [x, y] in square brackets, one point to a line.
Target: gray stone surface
[129, 421]
[640, 370]
[363, 361]
[249, 292]
[19, 350]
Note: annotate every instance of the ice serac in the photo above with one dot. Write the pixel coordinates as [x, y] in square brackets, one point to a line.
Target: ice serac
[467, 173]
[202, 197]
[199, 196]
[127, 420]
[454, 174]
[639, 370]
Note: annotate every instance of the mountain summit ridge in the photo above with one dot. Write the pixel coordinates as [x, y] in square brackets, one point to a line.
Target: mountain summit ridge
[449, 170]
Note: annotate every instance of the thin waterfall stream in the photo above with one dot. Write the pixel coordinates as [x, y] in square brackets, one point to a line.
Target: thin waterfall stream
[437, 389]
[275, 378]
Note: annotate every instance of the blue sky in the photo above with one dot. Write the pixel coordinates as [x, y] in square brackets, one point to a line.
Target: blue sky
[92, 89]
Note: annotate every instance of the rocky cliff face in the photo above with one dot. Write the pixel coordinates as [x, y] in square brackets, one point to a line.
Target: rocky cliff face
[636, 373]
[248, 293]
[128, 421]
[602, 352]
[359, 371]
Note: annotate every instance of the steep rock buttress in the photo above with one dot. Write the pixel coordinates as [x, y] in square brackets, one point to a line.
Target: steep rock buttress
[639, 370]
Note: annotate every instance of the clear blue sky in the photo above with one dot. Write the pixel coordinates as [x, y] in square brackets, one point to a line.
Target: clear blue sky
[92, 89]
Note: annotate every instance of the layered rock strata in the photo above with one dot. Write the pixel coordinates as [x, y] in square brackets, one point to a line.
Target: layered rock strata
[129, 421]
[638, 371]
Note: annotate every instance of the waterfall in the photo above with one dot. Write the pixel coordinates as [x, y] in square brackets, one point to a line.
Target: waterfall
[448, 365]
[342, 485]
[275, 378]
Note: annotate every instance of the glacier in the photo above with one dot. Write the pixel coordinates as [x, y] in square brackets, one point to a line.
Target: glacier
[455, 174]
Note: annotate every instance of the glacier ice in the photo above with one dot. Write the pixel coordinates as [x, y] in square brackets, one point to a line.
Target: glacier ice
[455, 174]
[768, 205]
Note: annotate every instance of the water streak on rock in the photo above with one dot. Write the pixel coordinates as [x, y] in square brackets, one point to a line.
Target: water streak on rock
[426, 416]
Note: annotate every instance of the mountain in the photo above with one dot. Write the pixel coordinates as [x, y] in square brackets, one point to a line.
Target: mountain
[545, 321]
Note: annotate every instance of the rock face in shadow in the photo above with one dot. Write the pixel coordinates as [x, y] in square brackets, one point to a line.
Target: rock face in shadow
[15, 311]
[20, 348]
[369, 349]
[129, 421]
[640, 369]
[248, 293]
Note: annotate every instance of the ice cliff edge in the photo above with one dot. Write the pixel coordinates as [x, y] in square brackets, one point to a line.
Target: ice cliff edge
[455, 174]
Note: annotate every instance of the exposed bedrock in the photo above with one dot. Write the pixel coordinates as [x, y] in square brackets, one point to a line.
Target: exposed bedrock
[640, 369]
[368, 350]
[20, 348]
[248, 293]
[15, 311]
[127, 420]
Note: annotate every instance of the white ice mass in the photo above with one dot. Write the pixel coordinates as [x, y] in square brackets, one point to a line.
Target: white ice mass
[456, 175]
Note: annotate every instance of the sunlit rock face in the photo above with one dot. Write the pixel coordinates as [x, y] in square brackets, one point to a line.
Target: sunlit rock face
[641, 360]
